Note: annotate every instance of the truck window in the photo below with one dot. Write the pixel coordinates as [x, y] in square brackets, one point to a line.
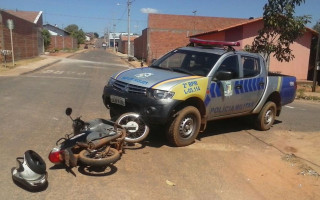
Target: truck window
[230, 64]
[192, 62]
[251, 66]
[174, 61]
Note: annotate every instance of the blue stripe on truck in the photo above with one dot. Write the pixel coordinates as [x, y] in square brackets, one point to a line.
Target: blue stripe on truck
[287, 93]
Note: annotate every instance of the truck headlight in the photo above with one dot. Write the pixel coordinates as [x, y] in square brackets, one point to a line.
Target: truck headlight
[111, 81]
[161, 94]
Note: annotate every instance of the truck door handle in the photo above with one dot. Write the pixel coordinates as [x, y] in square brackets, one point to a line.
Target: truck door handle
[239, 87]
[261, 84]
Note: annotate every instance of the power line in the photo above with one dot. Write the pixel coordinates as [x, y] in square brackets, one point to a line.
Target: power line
[94, 18]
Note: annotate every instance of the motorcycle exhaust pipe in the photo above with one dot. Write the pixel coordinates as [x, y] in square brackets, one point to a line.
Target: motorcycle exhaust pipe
[95, 144]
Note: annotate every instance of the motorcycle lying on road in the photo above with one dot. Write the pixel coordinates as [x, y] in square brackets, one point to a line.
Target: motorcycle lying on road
[98, 142]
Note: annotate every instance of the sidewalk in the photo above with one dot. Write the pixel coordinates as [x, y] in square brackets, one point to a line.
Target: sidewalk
[37, 65]
[124, 57]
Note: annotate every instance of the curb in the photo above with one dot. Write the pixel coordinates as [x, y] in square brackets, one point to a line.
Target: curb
[42, 67]
[126, 61]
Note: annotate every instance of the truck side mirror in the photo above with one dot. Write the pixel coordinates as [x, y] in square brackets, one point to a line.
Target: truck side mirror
[153, 60]
[223, 76]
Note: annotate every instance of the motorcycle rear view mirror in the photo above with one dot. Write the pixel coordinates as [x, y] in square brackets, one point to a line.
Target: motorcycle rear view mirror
[68, 111]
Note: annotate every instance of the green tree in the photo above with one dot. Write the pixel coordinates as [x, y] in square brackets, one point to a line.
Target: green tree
[73, 29]
[81, 36]
[281, 29]
[96, 35]
[46, 38]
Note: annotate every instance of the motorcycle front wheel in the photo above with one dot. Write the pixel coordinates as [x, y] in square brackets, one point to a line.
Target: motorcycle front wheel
[137, 129]
[97, 160]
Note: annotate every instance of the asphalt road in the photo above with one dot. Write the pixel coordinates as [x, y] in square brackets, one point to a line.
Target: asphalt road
[230, 160]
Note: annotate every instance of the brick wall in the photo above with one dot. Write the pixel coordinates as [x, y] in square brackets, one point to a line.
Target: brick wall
[63, 42]
[140, 45]
[161, 42]
[167, 32]
[123, 44]
[26, 37]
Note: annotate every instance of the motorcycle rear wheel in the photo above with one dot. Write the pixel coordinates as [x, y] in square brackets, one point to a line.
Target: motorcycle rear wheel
[87, 159]
[138, 130]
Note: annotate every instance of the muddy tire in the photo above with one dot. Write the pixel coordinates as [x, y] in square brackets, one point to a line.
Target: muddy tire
[112, 157]
[266, 117]
[138, 130]
[185, 127]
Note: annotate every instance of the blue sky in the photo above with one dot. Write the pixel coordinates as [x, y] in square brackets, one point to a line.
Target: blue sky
[100, 15]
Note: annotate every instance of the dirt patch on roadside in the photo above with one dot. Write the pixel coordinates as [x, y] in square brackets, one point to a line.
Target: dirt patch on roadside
[299, 149]
[304, 168]
[19, 63]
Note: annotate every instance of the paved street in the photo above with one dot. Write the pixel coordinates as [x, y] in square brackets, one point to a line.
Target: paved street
[230, 160]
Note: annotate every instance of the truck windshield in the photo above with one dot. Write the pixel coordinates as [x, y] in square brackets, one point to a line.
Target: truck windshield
[188, 62]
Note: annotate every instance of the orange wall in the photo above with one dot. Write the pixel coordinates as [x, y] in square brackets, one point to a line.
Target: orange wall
[298, 67]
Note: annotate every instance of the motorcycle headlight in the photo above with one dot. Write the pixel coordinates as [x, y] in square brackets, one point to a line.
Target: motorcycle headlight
[111, 81]
[161, 94]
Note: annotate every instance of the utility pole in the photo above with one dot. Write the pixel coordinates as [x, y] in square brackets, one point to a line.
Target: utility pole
[194, 21]
[114, 37]
[129, 5]
[10, 27]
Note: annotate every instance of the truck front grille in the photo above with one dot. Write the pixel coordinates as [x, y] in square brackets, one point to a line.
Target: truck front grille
[125, 87]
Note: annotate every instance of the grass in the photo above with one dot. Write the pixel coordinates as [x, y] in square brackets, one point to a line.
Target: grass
[305, 92]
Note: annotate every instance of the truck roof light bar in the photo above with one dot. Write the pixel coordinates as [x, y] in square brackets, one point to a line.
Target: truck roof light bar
[213, 42]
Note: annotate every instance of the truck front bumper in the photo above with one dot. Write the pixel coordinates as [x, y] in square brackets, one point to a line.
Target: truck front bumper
[153, 111]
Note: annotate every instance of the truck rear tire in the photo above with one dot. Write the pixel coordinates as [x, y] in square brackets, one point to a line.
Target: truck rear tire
[266, 117]
[185, 127]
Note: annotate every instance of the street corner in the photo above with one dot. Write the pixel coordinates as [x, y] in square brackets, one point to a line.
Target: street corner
[28, 65]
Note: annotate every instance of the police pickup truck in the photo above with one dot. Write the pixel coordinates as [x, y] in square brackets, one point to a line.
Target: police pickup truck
[192, 85]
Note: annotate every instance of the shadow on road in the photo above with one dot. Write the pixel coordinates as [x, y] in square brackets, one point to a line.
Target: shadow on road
[230, 125]
[157, 136]
[97, 171]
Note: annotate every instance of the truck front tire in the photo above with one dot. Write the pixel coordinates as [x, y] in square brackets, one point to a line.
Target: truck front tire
[266, 117]
[185, 127]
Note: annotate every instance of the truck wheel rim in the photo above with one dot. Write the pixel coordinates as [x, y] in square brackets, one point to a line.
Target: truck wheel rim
[268, 117]
[186, 128]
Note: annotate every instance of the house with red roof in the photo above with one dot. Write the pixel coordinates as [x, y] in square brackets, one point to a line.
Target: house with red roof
[26, 34]
[167, 32]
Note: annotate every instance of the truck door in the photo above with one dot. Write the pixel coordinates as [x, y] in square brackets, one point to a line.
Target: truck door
[238, 93]
[250, 88]
[221, 98]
